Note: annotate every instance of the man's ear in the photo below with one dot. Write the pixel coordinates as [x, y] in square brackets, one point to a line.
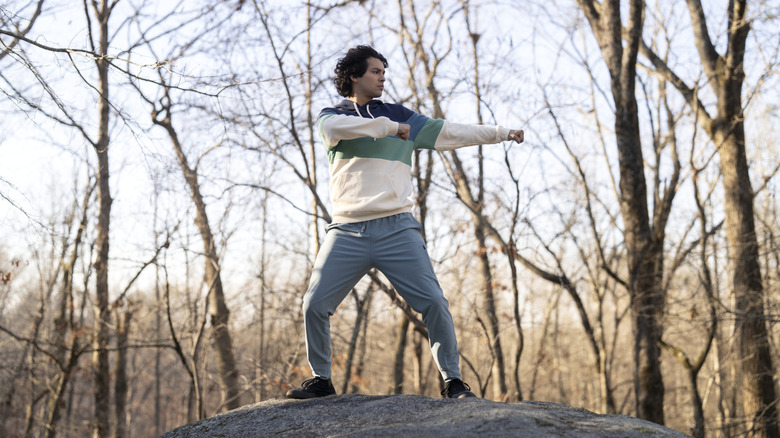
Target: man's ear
[353, 78]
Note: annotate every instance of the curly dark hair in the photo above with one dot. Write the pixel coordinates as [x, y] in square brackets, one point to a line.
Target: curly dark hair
[354, 63]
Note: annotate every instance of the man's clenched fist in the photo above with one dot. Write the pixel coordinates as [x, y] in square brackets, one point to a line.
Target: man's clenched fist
[516, 135]
[403, 131]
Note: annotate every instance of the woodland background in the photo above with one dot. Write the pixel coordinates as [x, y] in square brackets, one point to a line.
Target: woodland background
[163, 194]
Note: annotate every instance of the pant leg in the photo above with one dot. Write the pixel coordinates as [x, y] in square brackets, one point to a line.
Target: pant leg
[399, 252]
[342, 261]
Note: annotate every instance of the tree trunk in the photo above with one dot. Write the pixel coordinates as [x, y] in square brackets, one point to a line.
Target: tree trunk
[120, 374]
[361, 306]
[488, 299]
[511, 251]
[696, 402]
[400, 349]
[58, 393]
[758, 386]
[260, 371]
[218, 311]
[728, 133]
[726, 76]
[357, 381]
[102, 389]
[753, 342]
[159, 333]
[420, 381]
[312, 172]
[644, 252]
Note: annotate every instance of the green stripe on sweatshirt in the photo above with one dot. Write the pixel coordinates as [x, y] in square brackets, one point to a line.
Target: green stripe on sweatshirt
[426, 138]
[387, 148]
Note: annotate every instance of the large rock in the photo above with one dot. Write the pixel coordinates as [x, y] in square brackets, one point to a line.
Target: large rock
[356, 415]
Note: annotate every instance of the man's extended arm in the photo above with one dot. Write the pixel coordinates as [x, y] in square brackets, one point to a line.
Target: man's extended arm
[457, 135]
[334, 128]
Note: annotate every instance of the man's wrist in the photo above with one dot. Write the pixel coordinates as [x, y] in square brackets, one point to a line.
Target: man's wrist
[503, 133]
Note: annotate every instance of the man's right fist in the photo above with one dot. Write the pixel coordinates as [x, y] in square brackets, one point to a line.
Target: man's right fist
[403, 131]
[516, 135]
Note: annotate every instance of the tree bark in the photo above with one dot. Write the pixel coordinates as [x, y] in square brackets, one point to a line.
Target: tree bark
[400, 349]
[357, 380]
[644, 251]
[120, 374]
[362, 308]
[753, 342]
[312, 173]
[758, 386]
[102, 312]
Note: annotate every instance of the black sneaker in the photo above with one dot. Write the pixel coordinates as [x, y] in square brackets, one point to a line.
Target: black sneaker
[312, 388]
[456, 388]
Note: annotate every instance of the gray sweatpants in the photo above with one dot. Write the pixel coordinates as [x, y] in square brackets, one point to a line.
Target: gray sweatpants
[395, 247]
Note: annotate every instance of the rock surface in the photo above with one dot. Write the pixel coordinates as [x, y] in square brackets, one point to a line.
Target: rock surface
[356, 415]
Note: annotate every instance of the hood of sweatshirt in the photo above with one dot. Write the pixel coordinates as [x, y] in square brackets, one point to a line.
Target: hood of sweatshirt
[372, 109]
[353, 107]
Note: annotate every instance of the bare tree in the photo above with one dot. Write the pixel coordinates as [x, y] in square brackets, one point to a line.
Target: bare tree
[726, 128]
[226, 363]
[102, 11]
[644, 240]
[477, 203]
[98, 39]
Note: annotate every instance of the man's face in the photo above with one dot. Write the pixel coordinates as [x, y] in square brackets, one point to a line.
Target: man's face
[372, 83]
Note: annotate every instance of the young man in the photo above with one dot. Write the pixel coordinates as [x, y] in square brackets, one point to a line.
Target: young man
[370, 146]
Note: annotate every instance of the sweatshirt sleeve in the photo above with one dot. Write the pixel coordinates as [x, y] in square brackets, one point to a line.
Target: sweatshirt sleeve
[335, 127]
[457, 135]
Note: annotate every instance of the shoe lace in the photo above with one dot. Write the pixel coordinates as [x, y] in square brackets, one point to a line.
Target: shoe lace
[455, 386]
[310, 382]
